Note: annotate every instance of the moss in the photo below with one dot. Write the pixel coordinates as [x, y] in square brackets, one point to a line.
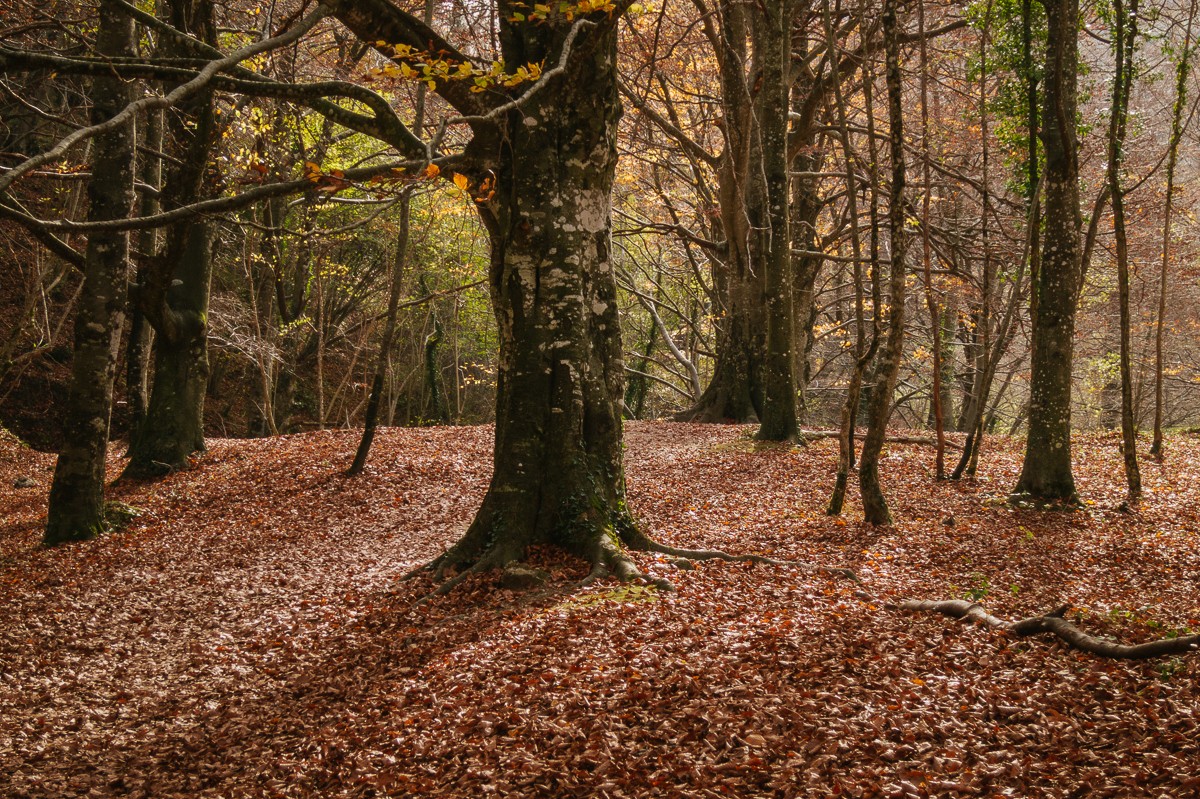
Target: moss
[118, 515]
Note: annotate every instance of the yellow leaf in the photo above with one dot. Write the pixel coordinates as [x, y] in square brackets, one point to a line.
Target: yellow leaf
[460, 181]
[432, 171]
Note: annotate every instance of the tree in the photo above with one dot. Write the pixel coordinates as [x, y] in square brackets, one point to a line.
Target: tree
[1046, 471]
[174, 293]
[540, 167]
[1124, 47]
[77, 494]
[875, 509]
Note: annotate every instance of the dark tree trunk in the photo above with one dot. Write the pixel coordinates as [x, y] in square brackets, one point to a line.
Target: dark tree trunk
[875, 509]
[1046, 472]
[371, 419]
[773, 250]
[559, 474]
[174, 426]
[76, 509]
[174, 298]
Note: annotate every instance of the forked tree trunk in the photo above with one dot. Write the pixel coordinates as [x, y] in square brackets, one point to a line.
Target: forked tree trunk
[174, 298]
[174, 425]
[76, 509]
[1046, 472]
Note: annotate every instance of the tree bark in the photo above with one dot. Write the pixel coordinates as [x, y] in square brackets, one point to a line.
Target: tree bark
[1046, 471]
[773, 251]
[1124, 47]
[1182, 70]
[558, 463]
[76, 509]
[175, 296]
[875, 509]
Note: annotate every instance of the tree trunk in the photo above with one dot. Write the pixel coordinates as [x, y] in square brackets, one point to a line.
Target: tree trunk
[735, 392]
[1046, 472]
[1181, 79]
[76, 509]
[559, 474]
[875, 509]
[174, 298]
[1125, 47]
[174, 426]
[773, 251]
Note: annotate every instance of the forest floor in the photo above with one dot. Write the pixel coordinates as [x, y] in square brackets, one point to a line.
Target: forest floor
[248, 635]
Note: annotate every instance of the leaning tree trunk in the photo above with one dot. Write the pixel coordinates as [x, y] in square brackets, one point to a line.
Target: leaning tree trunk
[77, 494]
[1046, 473]
[559, 474]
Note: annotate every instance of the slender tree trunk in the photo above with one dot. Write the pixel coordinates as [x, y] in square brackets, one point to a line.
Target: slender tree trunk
[1124, 47]
[875, 509]
[141, 334]
[1181, 79]
[1046, 471]
[76, 509]
[371, 419]
[774, 242]
[930, 300]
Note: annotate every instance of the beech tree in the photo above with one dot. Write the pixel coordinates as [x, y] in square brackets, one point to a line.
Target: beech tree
[1046, 472]
[77, 493]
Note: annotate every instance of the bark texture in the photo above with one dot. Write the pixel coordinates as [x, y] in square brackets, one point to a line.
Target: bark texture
[875, 509]
[1046, 472]
[76, 509]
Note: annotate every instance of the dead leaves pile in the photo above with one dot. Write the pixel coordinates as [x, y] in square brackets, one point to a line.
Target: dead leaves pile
[248, 635]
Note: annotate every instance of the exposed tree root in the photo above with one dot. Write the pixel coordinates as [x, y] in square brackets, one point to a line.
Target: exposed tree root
[1053, 622]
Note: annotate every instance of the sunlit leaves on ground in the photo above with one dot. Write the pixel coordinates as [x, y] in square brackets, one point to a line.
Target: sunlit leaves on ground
[247, 634]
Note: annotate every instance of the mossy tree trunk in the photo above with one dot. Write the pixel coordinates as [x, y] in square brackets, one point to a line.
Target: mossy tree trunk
[1046, 471]
[76, 509]
[773, 251]
[541, 170]
[559, 475]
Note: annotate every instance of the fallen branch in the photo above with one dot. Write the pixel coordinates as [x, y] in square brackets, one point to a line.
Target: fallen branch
[1053, 622]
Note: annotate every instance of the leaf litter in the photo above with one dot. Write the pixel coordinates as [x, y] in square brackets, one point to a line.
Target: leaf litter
[248, 633]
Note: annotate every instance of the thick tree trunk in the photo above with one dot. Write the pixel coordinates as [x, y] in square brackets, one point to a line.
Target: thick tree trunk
[174, 297]
[76, 509]
[1046, 472]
